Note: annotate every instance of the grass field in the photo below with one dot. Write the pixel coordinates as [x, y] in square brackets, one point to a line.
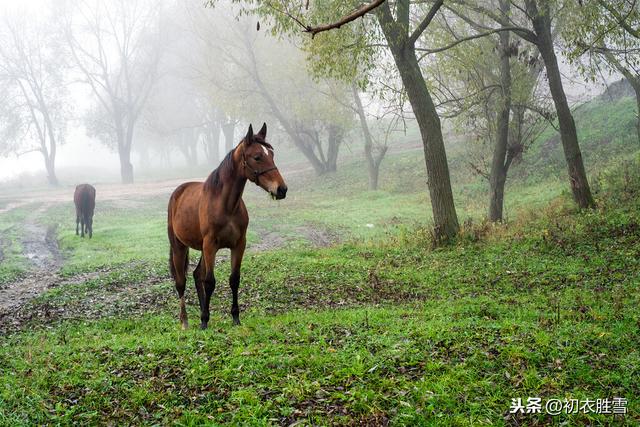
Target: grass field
[350, 317]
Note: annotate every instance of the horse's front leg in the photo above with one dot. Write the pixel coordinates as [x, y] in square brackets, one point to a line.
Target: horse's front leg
[206, 287]
[234, 279]
[77, 225]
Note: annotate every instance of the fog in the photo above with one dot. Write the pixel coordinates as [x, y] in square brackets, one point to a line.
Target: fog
[143, 90]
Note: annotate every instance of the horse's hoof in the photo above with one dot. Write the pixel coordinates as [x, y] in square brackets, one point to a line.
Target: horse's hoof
[203, 326]
[236, 322]
[185, 326]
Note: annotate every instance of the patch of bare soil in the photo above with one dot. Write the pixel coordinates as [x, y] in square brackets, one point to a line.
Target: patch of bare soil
[40, 246]
[271, 240]
[268, 241]
[317, 236]
[104, 192]
[112, 299]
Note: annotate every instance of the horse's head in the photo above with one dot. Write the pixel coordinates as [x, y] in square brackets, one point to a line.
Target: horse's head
[258, 165]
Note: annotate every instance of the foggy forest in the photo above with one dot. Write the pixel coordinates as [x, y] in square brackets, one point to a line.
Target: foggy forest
[320, 212]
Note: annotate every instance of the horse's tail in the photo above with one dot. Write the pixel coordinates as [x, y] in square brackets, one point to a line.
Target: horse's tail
[185, 261]
[172, 268]
[172, 239]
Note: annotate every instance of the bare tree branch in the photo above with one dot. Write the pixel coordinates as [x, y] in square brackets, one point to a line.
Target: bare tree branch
[464, 39]
[361, 11]
[425, 22]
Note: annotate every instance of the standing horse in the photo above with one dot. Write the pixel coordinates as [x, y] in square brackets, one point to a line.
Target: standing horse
[211, 215]
[85, 200]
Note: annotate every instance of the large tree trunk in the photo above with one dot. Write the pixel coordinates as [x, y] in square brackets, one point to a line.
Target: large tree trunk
[53, 148]
[635, 84]
[438, 180]
[126, 168]
[188, 148]
[498, 175]
[637, 90]
[373, 162]
[334, 139]
[124, 152]
[319, 166]
[577, 175]
[51, 169]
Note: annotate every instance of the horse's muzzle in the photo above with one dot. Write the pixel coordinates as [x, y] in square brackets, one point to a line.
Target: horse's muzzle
[281, 193]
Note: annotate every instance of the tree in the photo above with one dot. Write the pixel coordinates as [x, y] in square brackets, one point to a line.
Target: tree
[354, 50]
[372, 156]
[316, 128]
[489, 86]
[32, 114]
[250, 74]
[181, 117]
[605, 36]
[535, 23]
[116, 47]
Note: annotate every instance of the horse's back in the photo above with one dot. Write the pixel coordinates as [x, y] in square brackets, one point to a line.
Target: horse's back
[184, 194]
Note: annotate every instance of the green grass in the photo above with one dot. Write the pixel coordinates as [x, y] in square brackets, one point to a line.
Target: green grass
[123, 232]
[377, 327]
[606, 130]
[360, 332]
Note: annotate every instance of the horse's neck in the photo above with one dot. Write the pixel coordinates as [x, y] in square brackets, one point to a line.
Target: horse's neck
[231, 193]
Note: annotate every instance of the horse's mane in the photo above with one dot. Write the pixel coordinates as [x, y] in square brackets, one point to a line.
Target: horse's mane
[214, 180]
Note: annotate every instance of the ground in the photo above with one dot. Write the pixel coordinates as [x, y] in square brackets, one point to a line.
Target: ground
[349, 315]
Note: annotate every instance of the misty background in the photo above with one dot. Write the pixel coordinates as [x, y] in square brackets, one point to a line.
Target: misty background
[194, 78]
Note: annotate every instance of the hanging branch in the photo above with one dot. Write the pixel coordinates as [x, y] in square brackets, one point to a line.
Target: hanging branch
[361, 11]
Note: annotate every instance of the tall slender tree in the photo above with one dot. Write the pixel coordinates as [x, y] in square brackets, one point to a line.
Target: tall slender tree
[116, 47]
[347, 47]
[33, 109]
[536, 23]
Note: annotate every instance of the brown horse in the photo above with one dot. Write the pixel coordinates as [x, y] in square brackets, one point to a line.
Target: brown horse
[85, 200]
[211, 215]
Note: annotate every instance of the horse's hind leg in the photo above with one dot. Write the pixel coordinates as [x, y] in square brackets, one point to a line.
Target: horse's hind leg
[77, 224]
[198, 279]
[179, 261]
[89, 228]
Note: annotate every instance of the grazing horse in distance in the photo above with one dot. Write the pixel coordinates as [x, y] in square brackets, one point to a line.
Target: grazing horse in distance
[210, 215]
[85, 200]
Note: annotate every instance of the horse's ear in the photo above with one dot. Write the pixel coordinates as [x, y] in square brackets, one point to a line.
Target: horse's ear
[249, 138]
[263, 131]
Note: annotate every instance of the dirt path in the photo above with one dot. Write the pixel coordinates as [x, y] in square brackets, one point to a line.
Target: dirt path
[40, 248]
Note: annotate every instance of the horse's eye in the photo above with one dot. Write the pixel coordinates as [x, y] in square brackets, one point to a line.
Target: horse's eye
[256, 158]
